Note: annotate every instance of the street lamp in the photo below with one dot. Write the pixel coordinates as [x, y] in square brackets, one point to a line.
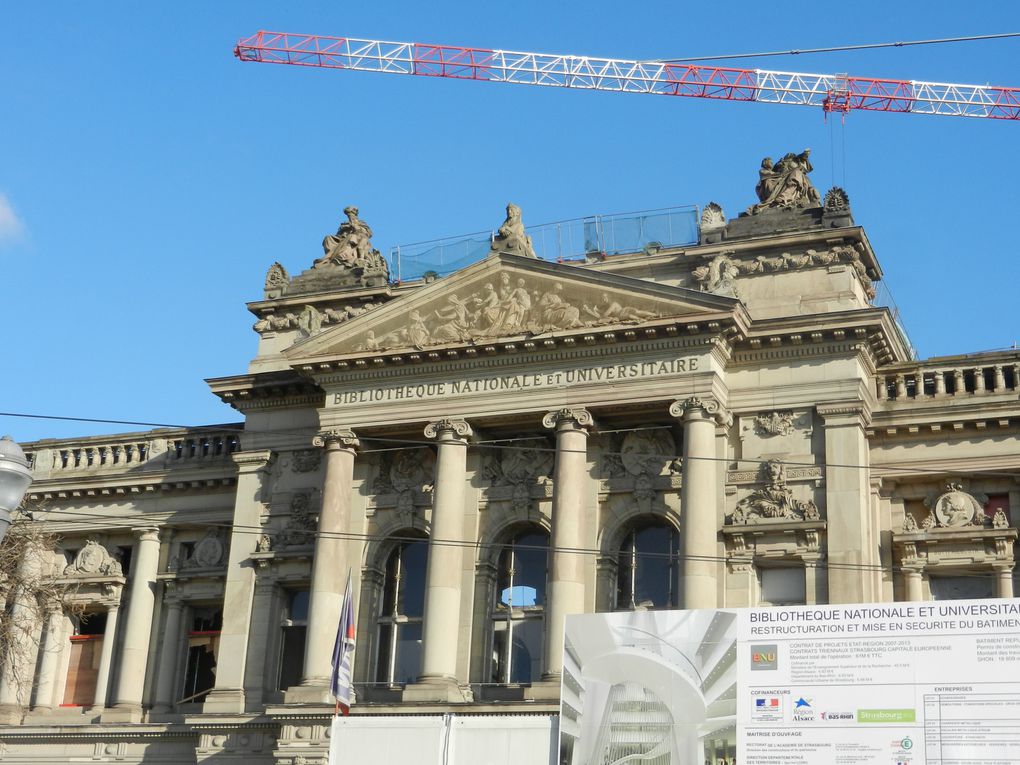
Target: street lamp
[15, 477]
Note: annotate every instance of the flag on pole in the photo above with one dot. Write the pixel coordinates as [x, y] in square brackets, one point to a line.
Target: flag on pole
[343, 652]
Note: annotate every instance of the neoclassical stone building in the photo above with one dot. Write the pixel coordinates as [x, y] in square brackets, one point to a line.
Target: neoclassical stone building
[724, 424]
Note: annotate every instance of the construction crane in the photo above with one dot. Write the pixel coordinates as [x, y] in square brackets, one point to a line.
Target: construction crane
[830, 92]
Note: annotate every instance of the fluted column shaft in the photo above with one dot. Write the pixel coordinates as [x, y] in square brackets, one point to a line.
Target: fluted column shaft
[329, 567]
[169, 657]
[443, 576]
[49, 658]
[566, 562]
[699, 499]
[138, 627]
[106, 656]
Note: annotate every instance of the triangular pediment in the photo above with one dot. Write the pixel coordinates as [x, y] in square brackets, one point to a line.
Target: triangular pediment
[503, 297]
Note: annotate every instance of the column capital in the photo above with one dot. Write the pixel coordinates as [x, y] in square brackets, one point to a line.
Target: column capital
[459, 428]
[147, 533]
[336, 438]
[701, 408]
[576, 416]
[254, 460]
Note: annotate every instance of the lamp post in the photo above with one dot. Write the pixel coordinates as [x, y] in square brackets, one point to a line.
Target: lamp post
[15, 478]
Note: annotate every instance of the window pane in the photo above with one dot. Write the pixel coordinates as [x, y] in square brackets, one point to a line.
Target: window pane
[382, 667]
[531, 556]
[292, 656]
[408, 663]
[412, 579]
[647, 567]
[526, 660]
[200, 672]
[297, 609]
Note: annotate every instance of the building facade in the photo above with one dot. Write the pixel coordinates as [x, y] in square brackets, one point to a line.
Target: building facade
[725, 424]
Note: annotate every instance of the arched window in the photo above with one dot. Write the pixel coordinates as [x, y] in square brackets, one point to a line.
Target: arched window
[518, 608]
[648, 566]
[400, 618]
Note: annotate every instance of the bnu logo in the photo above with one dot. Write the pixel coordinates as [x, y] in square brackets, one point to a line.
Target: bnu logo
[764, 657]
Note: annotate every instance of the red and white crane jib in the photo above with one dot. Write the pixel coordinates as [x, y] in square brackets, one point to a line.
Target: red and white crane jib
[831, 92]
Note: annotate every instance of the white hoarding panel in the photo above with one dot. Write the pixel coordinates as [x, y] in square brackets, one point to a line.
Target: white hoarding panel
[892, 684]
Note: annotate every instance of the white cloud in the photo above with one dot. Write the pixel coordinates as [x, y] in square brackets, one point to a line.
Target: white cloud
[11, 227]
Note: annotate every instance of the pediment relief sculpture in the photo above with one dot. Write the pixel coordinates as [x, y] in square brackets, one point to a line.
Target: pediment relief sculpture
[720, 273]
[507, 307]
[774, 502]
[93, 560]
[208, 552]
[785, 185]
[953, 509]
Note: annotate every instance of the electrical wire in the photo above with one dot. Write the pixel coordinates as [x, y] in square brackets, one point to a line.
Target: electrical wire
[836, 48]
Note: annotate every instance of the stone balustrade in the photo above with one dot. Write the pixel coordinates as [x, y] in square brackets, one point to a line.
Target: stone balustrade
[937, 381]
[157, 450]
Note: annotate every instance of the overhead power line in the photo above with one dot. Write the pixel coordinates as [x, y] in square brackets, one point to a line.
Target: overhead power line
[838, 48]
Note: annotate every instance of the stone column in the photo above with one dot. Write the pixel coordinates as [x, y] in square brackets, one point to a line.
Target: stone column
[566, 568]
[138, 629]
[912, 584]
[699, 501]
[441, 622]
[852, 552]
[106, 656]
[49, 657]
[17, 673]
[1004, 581]
[329, 566]
[169, 654]
[227, 694]
[940, 383]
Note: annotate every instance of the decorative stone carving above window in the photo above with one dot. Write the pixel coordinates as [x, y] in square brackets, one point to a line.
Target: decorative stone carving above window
[300, 528]
[774, 424]
[209, 552]
[93, 560]
[774, 502]
[405, 473]
[952, 509]
[305, 460]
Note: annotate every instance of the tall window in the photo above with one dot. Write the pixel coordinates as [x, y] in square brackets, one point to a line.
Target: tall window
[83, 667]
[400, 625]
[294, 627]
[203, 643]
[648, 566]
[518, 609]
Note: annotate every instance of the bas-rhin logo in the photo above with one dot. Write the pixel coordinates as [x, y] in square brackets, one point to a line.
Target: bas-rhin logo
[764, 657]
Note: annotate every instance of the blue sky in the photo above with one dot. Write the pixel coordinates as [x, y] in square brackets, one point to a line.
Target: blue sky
[149, 179]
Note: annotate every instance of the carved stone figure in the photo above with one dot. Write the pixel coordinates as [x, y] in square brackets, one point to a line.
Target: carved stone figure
[609, 310]
[999, 520]
[785, 185]
[208, 551]
[774, 424]
[773, 502]
[909, 524]
[556, 313]
[712, 216]
[350, 246]
[93, 560]
[719, 276]
[264, 544]
[455, 327]
[511, 237]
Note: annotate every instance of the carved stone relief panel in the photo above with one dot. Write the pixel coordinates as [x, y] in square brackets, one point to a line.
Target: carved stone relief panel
[299, 530]
[774, 501]
[776, 433]
[403, 477]
[953, 508]
[93, 560]
[521, 472]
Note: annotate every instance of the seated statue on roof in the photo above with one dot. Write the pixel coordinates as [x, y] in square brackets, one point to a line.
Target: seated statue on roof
[511, 237]
[351, 246]
[785, 185]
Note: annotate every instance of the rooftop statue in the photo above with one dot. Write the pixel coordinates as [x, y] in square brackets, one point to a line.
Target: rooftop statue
[351, 246]
[785, 185]
[511, 237]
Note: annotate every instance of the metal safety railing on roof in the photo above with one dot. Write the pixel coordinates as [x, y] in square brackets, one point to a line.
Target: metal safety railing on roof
[574, 239]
